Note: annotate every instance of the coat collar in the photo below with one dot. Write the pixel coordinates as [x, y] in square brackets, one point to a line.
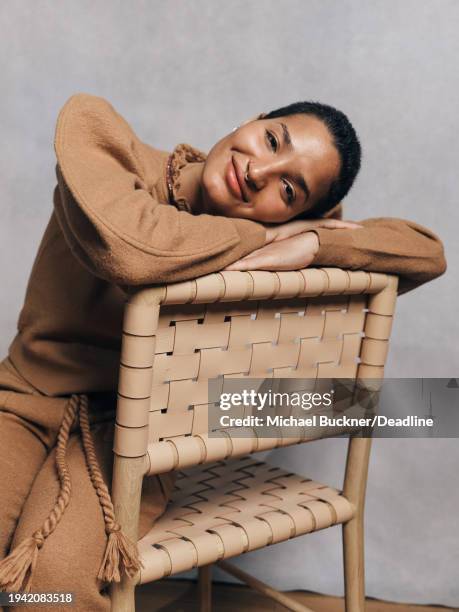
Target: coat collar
[182, 155]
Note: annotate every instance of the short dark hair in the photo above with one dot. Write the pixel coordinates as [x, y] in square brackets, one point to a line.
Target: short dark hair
[345, 140]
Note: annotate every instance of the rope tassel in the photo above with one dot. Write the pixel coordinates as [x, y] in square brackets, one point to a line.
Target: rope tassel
[16, 570]
[19, 566]
[121, 555]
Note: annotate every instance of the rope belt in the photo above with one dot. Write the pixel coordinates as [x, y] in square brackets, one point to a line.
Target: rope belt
[121, 555]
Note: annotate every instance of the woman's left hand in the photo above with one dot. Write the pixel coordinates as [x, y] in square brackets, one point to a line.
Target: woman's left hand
[292, 253]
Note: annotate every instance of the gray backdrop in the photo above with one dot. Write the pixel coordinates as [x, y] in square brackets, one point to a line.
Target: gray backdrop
[189, 72]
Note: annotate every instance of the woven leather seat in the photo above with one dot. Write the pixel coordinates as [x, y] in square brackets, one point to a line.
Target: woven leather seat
[227, 508]
[291, 327]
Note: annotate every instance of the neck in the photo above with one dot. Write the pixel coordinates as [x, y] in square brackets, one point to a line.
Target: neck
[190, 186]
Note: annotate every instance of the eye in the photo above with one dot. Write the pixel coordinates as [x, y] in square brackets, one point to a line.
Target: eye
[289, 191]
[272, 140]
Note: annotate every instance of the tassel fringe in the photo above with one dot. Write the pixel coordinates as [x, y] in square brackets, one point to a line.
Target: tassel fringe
[17, 568]
[120, 555]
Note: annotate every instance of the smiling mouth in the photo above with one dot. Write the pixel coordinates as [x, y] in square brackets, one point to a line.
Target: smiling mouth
[235, 180]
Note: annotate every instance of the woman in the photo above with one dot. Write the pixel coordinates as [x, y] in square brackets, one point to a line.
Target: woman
[267, 196]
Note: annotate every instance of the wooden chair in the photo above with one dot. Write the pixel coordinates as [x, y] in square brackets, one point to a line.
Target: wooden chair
[312, 323]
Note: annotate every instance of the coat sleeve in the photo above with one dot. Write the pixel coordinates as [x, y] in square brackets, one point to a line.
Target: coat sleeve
[384, 244]
[109, 217]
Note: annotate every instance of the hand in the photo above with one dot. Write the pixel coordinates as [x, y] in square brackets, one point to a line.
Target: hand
[292, 253]
[299, 226]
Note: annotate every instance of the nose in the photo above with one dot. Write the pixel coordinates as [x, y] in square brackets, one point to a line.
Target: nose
[259, 173]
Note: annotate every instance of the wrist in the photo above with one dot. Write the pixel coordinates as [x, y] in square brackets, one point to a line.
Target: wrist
[271, 234]
[313, 241]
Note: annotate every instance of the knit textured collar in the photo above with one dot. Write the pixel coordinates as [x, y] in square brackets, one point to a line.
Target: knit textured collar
[182, 155]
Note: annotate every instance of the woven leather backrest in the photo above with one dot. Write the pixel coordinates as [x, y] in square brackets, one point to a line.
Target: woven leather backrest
[324, 323]
[301, 338]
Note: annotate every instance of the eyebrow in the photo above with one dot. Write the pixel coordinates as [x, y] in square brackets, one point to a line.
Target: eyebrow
[298, 178]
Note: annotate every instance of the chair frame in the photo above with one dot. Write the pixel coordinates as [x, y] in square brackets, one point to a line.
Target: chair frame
[131, 460]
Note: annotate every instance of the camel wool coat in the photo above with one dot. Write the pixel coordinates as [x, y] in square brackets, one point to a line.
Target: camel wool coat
[113, 227]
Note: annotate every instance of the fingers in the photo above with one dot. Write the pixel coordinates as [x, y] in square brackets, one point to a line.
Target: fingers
[246, 263]
[253, 264]
[338, 224]
[253, 260]
[249, 261]
[292, 254]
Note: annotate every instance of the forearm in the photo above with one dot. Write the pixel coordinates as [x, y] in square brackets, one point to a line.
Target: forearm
[384, 244]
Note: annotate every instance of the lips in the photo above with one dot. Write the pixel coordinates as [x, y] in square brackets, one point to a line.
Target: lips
[235, 180]
[241, 180]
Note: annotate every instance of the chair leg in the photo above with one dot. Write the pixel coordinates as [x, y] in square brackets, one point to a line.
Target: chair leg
[126, 492]
[205, 588]
[354, 573]
[353, 530]
[122, 595]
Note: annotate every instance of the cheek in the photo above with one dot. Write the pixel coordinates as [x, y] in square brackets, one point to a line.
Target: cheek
[271, 212]
[211, 175]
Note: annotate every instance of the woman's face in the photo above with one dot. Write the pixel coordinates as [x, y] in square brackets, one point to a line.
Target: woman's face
[270, 170]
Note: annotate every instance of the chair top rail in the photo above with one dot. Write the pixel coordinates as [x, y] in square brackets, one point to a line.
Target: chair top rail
[229, 286]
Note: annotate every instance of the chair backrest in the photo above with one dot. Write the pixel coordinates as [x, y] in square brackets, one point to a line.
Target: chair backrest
[307, 324]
